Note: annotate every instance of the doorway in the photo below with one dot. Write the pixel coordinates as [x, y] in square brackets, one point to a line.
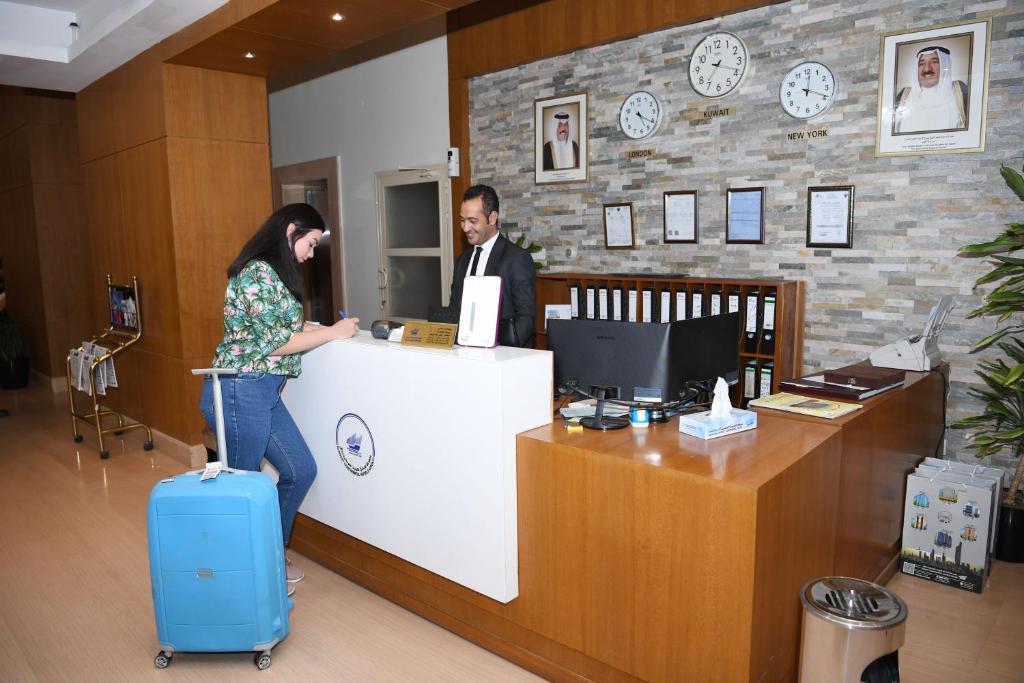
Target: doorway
[318, 183]
[414, 231]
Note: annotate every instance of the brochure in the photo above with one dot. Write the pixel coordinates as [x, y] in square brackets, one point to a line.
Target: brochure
[816, 407]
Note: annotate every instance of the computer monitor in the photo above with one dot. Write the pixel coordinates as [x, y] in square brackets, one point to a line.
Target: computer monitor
[644, 362]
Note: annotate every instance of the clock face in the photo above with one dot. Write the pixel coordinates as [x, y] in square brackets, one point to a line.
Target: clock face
[717, 64]
[807, 90]
[640, 115]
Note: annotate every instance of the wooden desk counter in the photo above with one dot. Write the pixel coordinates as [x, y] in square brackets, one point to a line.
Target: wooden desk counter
[882, 443]
[643, 554]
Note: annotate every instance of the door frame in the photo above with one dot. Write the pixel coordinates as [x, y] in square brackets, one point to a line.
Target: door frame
[328, 168]
[409, 176]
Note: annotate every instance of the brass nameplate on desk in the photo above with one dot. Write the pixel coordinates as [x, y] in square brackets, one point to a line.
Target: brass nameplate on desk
[433, 335]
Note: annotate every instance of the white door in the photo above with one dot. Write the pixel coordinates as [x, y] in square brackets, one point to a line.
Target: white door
[414, 231]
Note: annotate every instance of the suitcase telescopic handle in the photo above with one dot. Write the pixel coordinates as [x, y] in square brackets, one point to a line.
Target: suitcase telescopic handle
[218, 407]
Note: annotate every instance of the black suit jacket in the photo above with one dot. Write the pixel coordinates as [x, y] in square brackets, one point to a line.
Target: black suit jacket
[514, 266]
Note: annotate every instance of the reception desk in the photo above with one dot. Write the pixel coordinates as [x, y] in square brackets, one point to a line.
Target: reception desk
[415, 450]
[650, 555]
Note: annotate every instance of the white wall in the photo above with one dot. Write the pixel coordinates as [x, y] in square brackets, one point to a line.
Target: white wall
[377, 116]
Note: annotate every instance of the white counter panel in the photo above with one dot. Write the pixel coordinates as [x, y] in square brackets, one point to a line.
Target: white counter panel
[430, 473]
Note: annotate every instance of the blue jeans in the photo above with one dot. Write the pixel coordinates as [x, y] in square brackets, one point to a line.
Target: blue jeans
[257, 425]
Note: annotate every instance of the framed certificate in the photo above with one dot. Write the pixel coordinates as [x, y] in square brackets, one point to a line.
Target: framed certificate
[744, 215]
[830, 216]
[618, 226]
[680, 217]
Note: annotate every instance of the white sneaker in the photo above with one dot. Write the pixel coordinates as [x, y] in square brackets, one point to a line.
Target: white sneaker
[292, 573]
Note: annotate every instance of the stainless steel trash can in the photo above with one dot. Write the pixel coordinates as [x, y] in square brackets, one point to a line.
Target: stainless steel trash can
[849, 627]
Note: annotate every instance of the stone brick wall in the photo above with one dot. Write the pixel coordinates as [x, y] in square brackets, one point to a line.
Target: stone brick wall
[911, 212]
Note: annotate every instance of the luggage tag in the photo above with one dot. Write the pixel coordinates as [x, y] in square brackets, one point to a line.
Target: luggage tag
[213, 469]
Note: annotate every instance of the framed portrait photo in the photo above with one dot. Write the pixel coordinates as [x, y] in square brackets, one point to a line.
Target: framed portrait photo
[560, 139]
[933, 90]
[744, 215]
[680, 217]
[830, 216]
[618, 226]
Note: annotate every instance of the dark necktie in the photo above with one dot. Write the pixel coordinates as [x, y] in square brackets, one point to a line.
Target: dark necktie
[476, 260]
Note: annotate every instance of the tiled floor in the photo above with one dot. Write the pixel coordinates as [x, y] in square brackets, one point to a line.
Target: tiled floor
[75, 598]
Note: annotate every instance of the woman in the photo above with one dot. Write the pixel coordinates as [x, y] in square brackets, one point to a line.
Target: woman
[264, 335]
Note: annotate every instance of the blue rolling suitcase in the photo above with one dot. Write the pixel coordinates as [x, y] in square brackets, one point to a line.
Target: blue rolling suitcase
[216, 560]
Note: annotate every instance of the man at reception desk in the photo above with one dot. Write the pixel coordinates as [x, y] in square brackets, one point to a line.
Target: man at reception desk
[494, 254]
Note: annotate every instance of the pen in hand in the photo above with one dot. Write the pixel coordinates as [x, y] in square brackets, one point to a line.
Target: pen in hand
[341, 314]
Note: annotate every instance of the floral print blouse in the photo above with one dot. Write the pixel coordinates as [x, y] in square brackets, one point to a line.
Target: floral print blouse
[260, 316]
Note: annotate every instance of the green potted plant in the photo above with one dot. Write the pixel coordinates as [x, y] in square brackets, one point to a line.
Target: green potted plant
[1001, 423]
[532, 248]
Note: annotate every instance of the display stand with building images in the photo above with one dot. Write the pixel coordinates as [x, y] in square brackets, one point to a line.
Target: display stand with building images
[949, 524]
[91, 370]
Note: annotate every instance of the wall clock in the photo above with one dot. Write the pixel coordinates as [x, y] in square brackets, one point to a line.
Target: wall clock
[807, 90]
[640, 115]
[717, 64]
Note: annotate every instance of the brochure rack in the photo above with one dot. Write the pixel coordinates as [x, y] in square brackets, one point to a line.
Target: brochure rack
[125, 329]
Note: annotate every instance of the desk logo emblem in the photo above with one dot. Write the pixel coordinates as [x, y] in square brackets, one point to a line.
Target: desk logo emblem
[355, 444]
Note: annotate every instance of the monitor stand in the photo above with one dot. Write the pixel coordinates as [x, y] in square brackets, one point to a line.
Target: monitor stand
[600, 420]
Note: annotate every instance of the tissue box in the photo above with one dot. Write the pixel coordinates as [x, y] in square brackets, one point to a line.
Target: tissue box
[704, 426]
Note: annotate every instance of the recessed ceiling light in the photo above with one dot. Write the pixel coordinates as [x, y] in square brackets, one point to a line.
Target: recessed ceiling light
[338, 16]
[249, 55]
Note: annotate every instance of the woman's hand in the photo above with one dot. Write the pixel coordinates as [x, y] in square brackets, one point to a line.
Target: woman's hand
[343, 329]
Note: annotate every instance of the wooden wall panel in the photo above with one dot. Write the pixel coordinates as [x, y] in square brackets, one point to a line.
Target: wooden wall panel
[201, 103]
[487, 37]
[164, 396]
[148, 235]
[121, 110]
[210, 228]
[55, 154]
[19, 251]
[15, 164]
[65, 272]
[12, 110]
[107, 247]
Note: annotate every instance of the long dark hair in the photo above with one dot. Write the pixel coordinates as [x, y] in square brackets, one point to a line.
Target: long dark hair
[272, 244]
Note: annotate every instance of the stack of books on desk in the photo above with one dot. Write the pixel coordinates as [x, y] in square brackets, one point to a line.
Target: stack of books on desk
[853, 382]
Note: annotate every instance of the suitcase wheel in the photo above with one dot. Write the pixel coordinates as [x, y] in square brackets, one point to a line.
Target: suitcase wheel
[162, 660]
[78, 438]
[148, 446]
[104, 455]
[262, 660]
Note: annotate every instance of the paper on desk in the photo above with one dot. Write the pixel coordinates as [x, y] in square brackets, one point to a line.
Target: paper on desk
[588, 407]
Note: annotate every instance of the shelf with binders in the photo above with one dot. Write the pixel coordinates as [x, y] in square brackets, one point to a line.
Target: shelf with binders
[771, 311]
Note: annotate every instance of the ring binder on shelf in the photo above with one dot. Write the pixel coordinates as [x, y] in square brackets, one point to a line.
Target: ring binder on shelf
[716, 301]
[665, 306]
[681, 304]
[602, 303]
[767, 345]
[631, 317]
[751, 330]
[647, 311]
[574, 300]
[697, 301]
[617, 303]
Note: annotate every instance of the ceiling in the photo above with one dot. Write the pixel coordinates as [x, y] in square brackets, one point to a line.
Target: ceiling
[39, 48]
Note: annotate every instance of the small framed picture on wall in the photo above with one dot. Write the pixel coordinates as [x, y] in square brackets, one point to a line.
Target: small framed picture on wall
[560, 139]
[680, 216]
[744, 215]
[618, 226]
[830, 216]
